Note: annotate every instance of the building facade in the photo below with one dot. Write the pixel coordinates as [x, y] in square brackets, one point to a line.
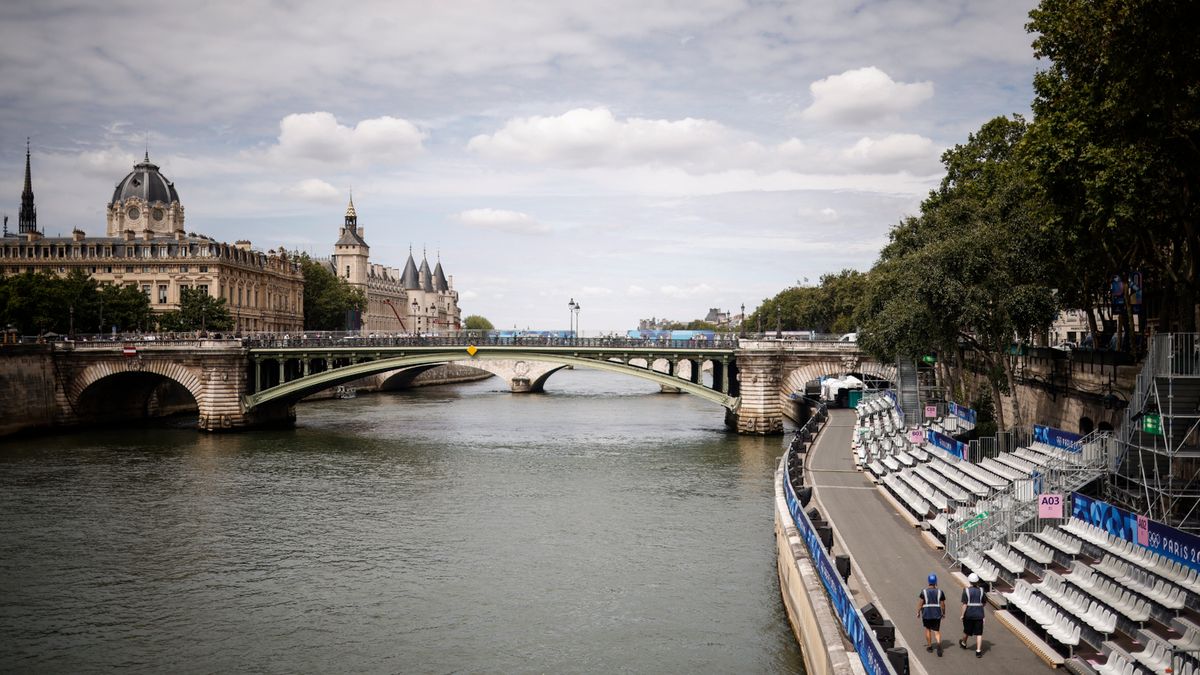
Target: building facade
[412, 300]
[146, 246]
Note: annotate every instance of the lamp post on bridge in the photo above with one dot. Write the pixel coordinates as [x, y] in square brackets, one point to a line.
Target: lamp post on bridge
[778, 322]
[578, 306]
[742, 323]
[571, 317]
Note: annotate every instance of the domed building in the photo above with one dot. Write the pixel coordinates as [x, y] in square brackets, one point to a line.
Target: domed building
[147, 247]
[145, 200]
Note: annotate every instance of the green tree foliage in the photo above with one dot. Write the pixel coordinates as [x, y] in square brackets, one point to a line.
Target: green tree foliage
[826, 308]
[197, 311]
[476, 322]
[327, 297]
[36, 303]
[1116, 145]
[975, 268]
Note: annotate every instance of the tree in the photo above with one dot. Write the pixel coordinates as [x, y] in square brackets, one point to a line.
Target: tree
[975, 269]
[476, 322]
[126, 308]
[1115, 144]
[197, 311]
[826, 308]
[327, 298]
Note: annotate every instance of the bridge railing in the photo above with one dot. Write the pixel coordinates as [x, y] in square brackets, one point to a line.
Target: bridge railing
[355, 340]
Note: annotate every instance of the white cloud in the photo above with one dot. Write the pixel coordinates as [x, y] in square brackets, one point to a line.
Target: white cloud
[502, 220]
[829, 214]
[863, 95]
[683, 292]
[313, 190]
[635, 291]
[586, 137]
[468, 295]
[319, 137]
[895, 152]
[595, 292]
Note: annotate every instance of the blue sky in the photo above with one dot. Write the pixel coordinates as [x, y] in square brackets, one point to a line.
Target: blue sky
[644, 157]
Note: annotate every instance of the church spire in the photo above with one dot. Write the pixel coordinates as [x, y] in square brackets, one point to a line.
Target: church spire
[351, 214]
[27, 218]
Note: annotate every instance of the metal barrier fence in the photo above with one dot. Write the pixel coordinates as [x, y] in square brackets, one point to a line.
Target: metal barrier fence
[870, 653]
[1015, 508]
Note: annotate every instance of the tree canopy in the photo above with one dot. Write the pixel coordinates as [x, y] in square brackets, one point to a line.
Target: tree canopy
[36, 303]
[327, 298]
[476, 322]
[197, 311]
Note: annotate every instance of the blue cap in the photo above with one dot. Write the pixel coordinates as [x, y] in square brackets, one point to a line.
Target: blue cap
[933, 580]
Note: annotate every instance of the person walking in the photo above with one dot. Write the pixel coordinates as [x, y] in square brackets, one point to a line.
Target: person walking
[931, 607]
[972, 615]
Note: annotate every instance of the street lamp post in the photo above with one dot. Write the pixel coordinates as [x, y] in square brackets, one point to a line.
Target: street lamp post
[778, 323]
[71, 328]
[578, 306]
[416, 307]
[571, 317]
[742, 322]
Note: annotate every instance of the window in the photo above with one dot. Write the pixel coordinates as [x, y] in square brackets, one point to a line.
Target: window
[203, 288]
[347, 271]
[183, 269]
[203, 269]
[129, 268]
[162, 294]
[92, 269]
[108, 269]
[146, 289]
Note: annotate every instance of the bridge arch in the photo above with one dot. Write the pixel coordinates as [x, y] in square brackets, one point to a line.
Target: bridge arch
[797, 379]
[133, 389]
[297, 389]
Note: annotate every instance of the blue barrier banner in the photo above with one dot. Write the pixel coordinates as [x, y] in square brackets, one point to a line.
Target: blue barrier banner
[855, 625]
[1177, 545]
[1056, 437]
[946, 443]
[962, 412]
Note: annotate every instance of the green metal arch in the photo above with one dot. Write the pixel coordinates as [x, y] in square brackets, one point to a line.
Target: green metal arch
[299, 388]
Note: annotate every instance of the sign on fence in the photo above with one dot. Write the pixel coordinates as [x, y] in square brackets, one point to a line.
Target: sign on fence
[931, 411]
[946, 443]
[1050, 507]
[1056, 437]
[915, 437]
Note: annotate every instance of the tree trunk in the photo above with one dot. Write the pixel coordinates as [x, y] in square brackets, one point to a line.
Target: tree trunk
[1018, 418]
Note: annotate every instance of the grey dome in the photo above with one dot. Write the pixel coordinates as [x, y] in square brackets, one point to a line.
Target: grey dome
[147, 184]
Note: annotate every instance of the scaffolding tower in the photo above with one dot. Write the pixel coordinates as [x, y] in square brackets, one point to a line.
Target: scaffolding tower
[1156, 469]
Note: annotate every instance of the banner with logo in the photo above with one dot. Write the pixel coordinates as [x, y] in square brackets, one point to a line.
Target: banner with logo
[962, 412]
[946, 443]
[1182, 547]
[1056, 437]
[860, 634]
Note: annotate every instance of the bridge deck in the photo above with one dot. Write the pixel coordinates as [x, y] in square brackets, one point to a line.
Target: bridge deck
[895, 561]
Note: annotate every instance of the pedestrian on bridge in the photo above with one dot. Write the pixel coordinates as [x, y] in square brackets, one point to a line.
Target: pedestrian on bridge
[972, 615]
[931, 607]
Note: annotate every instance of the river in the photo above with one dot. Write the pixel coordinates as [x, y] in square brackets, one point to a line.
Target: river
[601, 527]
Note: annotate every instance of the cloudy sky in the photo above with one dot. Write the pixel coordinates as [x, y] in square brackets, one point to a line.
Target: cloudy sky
[644, 157]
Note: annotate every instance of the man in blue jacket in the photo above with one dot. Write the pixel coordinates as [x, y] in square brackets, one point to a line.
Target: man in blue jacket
[931, 607]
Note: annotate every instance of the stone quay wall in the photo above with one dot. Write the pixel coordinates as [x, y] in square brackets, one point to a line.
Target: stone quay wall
[26, 389]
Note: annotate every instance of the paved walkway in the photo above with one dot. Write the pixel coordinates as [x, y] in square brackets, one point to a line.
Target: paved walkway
[895, 560]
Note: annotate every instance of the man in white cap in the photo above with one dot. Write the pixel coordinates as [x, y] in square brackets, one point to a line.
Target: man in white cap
[972, 615]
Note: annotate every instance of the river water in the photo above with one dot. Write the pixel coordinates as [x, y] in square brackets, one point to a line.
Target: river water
[601, 527]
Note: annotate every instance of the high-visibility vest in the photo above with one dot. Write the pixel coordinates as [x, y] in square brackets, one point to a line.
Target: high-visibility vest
[974, 603]
[932, 608]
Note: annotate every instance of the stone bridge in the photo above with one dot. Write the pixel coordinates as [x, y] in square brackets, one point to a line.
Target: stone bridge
[241, 383]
